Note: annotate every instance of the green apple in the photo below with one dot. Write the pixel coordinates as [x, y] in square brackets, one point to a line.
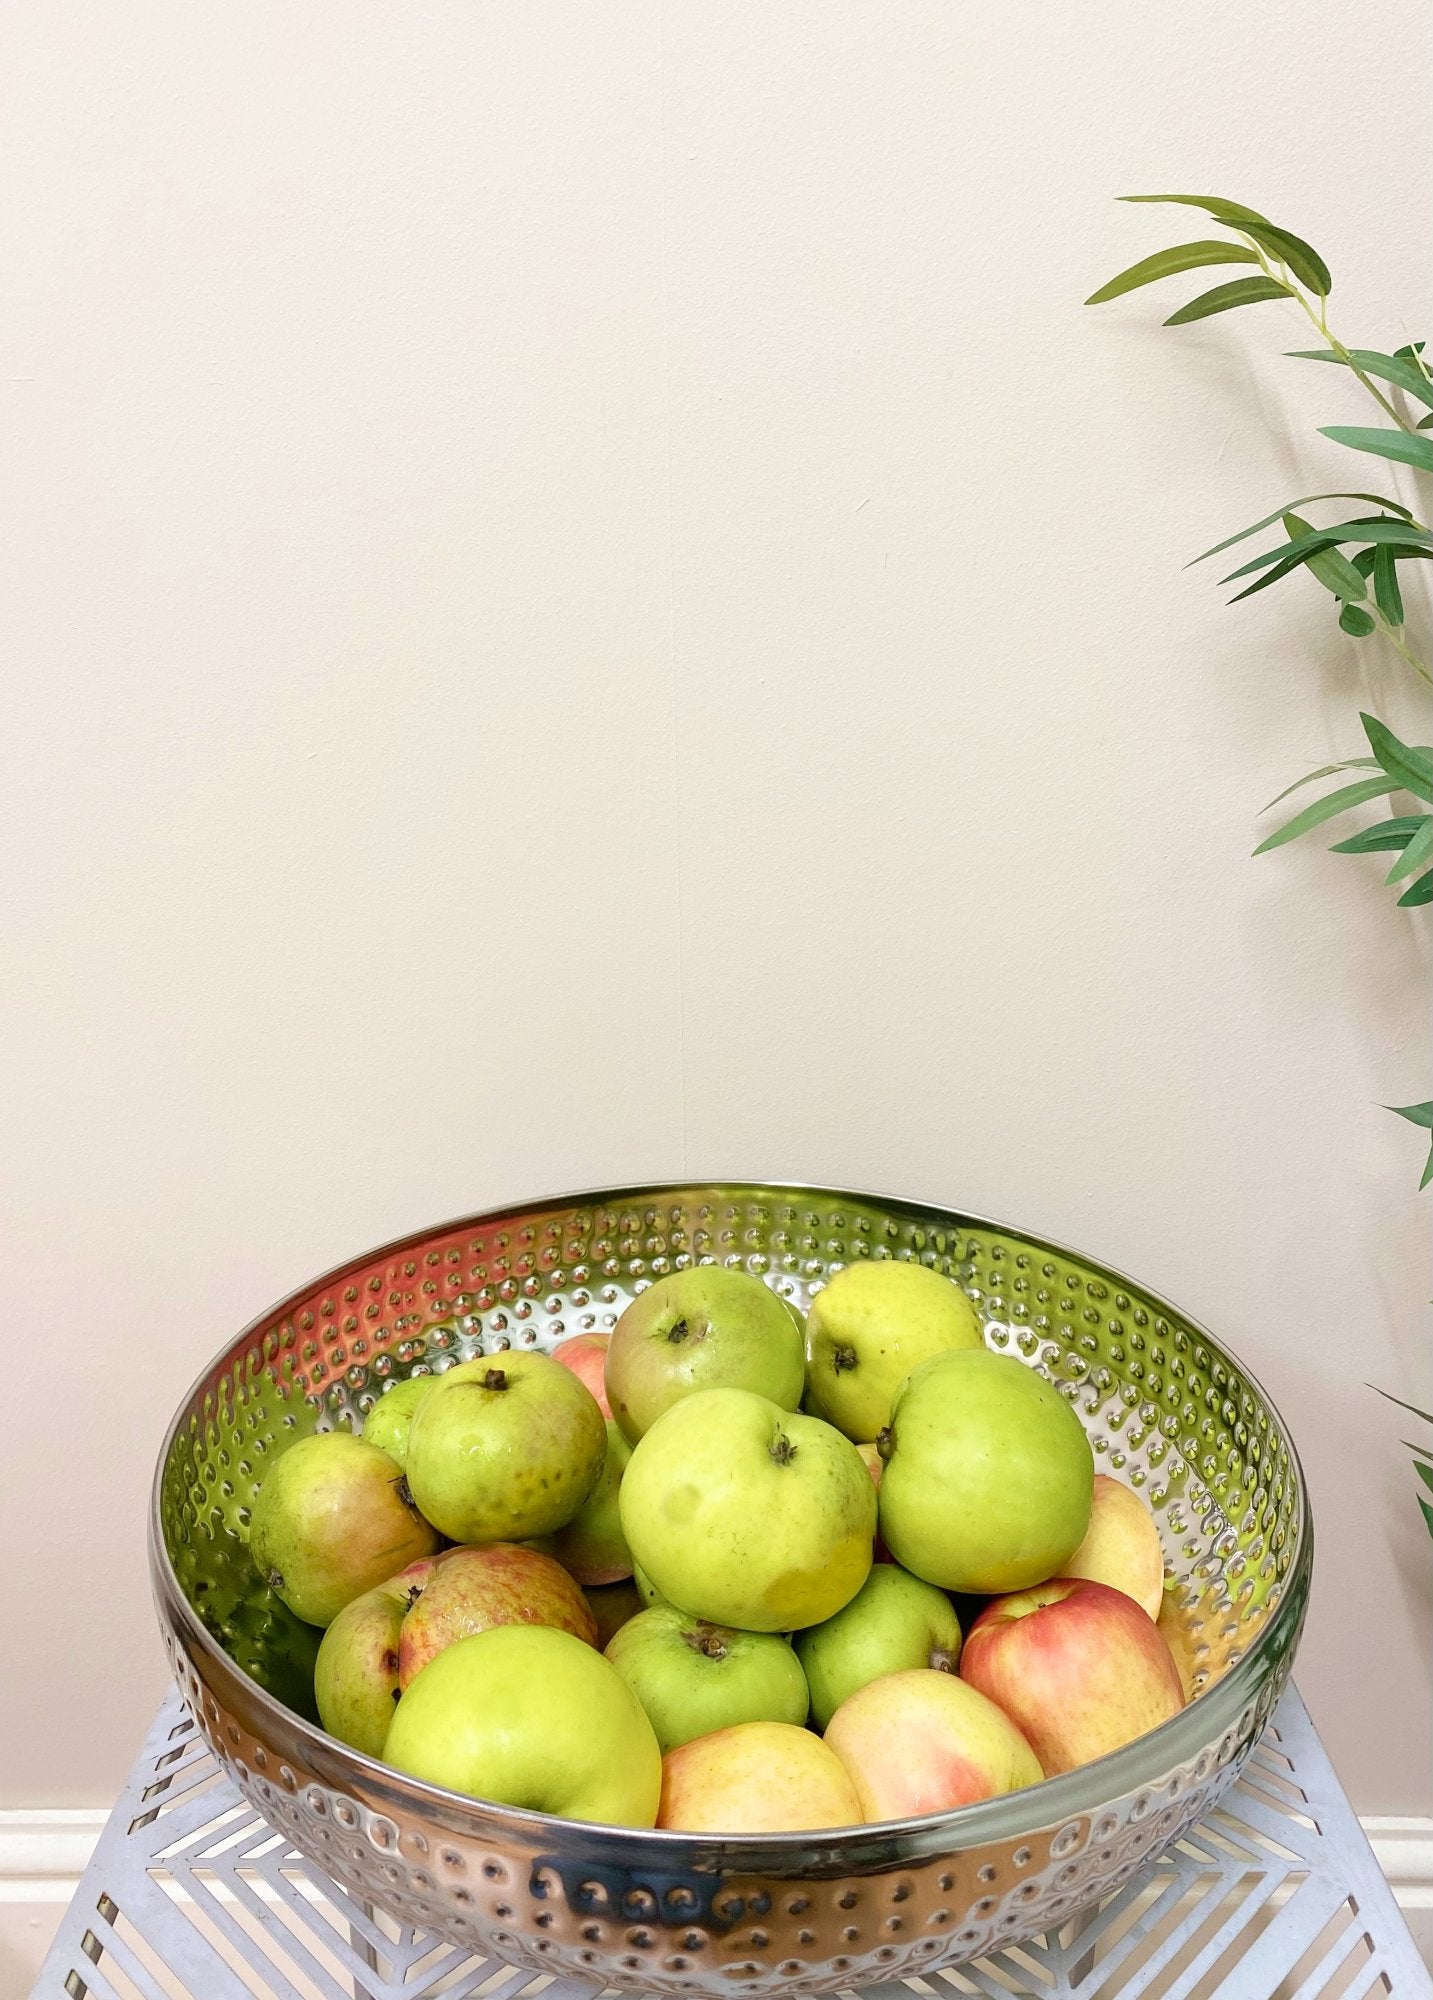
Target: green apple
[506, 1447]
[869, 1328]
[692, 1677]
[334, 1517]
[389, 1421]
[646, 1589]
[611, 1605]
[989, 1475]
[591, 1547]
[529, 1716]
[892, 1623]
[355, 1676]
[746, 1514]
[704, 1328]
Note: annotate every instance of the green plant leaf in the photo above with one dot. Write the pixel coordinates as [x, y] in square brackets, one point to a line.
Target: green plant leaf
[1404, 375]
[1375, 499]
[1388, 833]
[1224, 298]
[1386, 592]
[1425, 1473]
[1416, 1114]
[1354, 620]
[1301, 258]
[1165, 263]
[1411, 766]
[1418, 851]
[1412, 1408]
[1324, 771]
[1421, 892]
[1377, 533]
[1212, 204]
[1333, 570]
[1397, 445]
[1328, 807]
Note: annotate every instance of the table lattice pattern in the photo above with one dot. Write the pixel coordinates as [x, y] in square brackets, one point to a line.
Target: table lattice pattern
[1275, 1896]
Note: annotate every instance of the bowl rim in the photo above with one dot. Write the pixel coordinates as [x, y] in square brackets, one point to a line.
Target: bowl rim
[1145, 1761]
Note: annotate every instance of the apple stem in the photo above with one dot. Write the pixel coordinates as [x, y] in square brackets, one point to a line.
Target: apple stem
[708, 1640]
[885, 1443]
[783, 1450]
[843, 1359]
[678, 1333]
[274, 1578]
[495, 1379]
[943, 1659]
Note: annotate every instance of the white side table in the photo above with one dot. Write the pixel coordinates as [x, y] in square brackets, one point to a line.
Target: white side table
[1275, 1896]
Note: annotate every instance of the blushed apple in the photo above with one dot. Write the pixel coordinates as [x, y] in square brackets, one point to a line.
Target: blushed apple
[989, 1475]
[472, 1589]
[925, 1742]
[757, 1777]
[334, 1517]
[586, 1355]
[611, 1605]
[529, 1716]
[693, 1678]
[1078, 1665]
[506, 1447]
[1121, 1546]
[356, 1673]
[389, 1421]
[702, 1328]
[894, 1622]
[746, 1514]
[868, 1328]
[592, 1546]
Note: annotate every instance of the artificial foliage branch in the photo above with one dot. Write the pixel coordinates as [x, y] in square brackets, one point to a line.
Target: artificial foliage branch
[1357, 559]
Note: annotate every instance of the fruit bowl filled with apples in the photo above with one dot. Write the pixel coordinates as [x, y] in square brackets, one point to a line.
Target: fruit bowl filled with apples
[712, 1588]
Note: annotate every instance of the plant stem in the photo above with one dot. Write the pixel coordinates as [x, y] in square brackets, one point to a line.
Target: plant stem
[1281, 277]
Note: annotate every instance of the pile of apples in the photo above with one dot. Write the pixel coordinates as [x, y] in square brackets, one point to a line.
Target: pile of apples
[703, 1572]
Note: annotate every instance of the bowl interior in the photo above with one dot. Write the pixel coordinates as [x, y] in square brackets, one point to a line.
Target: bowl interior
[1166, 1408]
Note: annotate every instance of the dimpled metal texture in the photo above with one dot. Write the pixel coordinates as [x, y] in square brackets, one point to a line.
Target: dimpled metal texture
[1165, 1406]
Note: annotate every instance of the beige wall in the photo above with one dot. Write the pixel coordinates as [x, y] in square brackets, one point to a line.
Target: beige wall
[582, 600]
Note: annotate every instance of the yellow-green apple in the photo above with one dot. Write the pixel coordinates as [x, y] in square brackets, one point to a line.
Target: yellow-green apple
[611, 1605]
[745, 1514]
[756, 1777]
[703, 1328]
[1121, 1546]
[988, 1476]
[472, 1589]
[355, 1677]
[1077, 1665]
[389, 1421]
[693, 1678]
[506, 1447]
[646, 1589]
[586, 1355]
[529, 1716]
[924, 1742]
[592, 1546]
[892, 1623]
[333, 1518]
[868, 1328]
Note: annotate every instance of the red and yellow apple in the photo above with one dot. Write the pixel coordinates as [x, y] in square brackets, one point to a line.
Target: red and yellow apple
[756, 1777]
[1121, 1546]
[1078, 1665]
[586, 1355]
[925, 1742]
[471, 1590]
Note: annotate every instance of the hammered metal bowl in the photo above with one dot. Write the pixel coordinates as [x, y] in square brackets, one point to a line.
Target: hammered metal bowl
[1165, 1406]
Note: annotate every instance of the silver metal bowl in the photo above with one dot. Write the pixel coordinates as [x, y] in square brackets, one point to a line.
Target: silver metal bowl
[1166, 1407]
